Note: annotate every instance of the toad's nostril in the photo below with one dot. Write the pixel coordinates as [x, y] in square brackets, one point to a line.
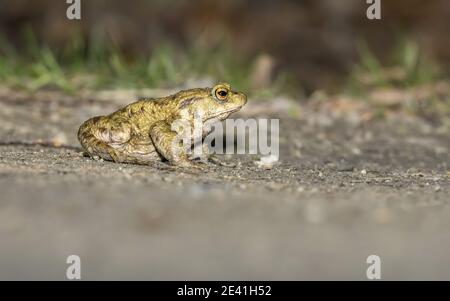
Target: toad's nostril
[243, 97]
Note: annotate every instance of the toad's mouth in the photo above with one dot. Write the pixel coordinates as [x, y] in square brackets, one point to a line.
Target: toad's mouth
[224, 114]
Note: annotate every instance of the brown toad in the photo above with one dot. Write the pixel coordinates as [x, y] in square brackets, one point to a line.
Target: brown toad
[141, 132]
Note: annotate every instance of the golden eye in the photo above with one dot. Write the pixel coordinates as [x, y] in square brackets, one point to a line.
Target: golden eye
[221, 94]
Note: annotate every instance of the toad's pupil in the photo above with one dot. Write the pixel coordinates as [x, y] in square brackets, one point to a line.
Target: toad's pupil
[222, 93]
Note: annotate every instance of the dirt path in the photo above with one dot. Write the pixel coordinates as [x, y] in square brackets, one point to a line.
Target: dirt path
[344, 189]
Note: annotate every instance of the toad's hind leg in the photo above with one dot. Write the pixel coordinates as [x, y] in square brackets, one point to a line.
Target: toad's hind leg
[114, 141]
[95, 137]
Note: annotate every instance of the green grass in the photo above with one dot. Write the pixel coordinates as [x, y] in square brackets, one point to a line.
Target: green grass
[98, 64]
[406, 66]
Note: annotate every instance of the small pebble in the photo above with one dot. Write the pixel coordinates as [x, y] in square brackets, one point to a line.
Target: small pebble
[267, 162]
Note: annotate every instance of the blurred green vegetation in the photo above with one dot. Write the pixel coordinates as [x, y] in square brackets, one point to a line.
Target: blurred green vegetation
[96, 64]
[409, 80]
[405, 67]
[101, 65]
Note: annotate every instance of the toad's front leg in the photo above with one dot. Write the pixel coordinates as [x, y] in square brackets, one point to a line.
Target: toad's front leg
[169, 144]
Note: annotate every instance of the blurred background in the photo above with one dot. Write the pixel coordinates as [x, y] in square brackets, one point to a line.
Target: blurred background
[364, 166]
[288, 46]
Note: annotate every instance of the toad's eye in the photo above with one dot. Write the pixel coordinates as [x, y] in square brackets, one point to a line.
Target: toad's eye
[221, 94]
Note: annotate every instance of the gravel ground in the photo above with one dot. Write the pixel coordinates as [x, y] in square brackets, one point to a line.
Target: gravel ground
[345, 188]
